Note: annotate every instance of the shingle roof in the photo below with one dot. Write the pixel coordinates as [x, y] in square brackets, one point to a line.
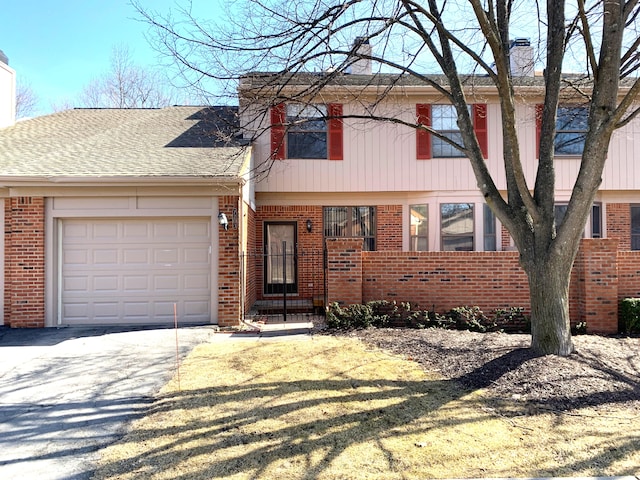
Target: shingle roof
[168, 142]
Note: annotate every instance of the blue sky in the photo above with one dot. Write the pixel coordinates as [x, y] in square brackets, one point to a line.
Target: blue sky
[58, 47]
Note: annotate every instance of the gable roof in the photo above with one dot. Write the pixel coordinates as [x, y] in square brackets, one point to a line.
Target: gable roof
[172, 142]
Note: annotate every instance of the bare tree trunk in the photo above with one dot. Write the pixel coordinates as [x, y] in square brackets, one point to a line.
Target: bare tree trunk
[549, 291]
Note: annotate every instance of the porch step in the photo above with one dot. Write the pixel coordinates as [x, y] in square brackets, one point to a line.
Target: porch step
[265, 307]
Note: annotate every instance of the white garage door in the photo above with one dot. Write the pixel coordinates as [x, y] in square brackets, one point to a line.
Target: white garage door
[131, 271]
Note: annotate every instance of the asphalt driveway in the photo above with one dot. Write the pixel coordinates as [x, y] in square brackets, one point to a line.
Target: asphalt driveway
[66, 393]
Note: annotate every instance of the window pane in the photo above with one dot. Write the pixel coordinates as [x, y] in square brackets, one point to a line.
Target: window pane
[418, 228]
[571, 127]
[569, 143]
[635, 228]
[362, 218]
[443, 149]
[335, 221]
[457, 244]
[559, 212]
[596, 221]
[572, 118]
[307, 133]
[456, 226]
[307, 145]
[457, 218]
[489, 225]
[419, 244]
[351, 222]
[444, 117]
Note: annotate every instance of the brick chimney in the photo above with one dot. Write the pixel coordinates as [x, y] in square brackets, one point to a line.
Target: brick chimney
[7, 92]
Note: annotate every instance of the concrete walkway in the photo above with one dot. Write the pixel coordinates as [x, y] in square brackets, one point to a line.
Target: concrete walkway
[66, 393]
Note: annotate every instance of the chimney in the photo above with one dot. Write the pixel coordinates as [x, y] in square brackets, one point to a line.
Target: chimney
[521, 58]
[7, 92]
[361, 66]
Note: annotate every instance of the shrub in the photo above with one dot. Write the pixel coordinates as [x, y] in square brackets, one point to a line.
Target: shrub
[381, 313]
[630, 315]
[356, 316]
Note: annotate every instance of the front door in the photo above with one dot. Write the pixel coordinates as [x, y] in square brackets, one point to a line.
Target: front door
[280, 265]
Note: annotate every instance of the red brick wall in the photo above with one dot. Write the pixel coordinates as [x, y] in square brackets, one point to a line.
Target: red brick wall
[596, 272]
[229, 268]
[441, 281]
[619, 224]
[7, 264]
[505, 238]
[389, 228]
[344, 271]
[444, 280]
[628, 274]
[24, 262]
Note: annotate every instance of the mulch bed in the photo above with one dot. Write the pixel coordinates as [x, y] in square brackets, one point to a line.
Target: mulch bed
[604, 373]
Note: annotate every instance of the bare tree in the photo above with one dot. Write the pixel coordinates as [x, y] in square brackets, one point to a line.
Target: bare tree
[126, 85]
[26, 100]
[450, 37]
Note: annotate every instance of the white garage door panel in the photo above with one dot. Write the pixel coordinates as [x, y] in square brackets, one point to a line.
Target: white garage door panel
[135, 270]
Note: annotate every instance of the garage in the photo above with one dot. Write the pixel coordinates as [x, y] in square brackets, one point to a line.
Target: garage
[134, 270]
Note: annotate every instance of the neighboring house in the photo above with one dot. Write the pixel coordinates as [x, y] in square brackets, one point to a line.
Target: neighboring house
[111, 217]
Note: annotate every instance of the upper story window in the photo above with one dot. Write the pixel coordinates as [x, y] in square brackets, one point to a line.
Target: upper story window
[345, 222]
[456, 226]
[306, 131]
[571, 129]
[444, 119]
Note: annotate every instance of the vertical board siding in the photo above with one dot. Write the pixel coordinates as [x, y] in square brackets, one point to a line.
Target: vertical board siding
[381, 156]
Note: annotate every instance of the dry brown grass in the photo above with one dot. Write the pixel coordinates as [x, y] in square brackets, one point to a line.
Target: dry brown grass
[329, 408]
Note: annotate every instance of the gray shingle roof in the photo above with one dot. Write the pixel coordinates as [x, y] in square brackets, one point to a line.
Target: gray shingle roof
[126, 143]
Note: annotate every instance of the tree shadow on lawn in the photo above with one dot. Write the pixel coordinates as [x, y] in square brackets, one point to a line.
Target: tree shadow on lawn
[273, 430]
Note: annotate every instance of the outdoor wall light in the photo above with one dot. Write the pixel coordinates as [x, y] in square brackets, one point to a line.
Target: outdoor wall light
[309, 225]
[222, 220]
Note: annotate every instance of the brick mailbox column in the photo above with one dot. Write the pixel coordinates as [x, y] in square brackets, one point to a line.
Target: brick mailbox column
[597, 263]
[344, 270]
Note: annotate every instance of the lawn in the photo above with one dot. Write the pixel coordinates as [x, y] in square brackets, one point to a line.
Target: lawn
[333, 408]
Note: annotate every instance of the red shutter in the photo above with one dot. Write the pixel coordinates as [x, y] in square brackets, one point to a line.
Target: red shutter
[336, 151]
[480, 127]
[278, 119]
[423, 138]
[539, 109]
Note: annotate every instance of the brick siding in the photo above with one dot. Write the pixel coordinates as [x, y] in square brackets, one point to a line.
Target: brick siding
[24, 262]
[229, 268]
[619, 224]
